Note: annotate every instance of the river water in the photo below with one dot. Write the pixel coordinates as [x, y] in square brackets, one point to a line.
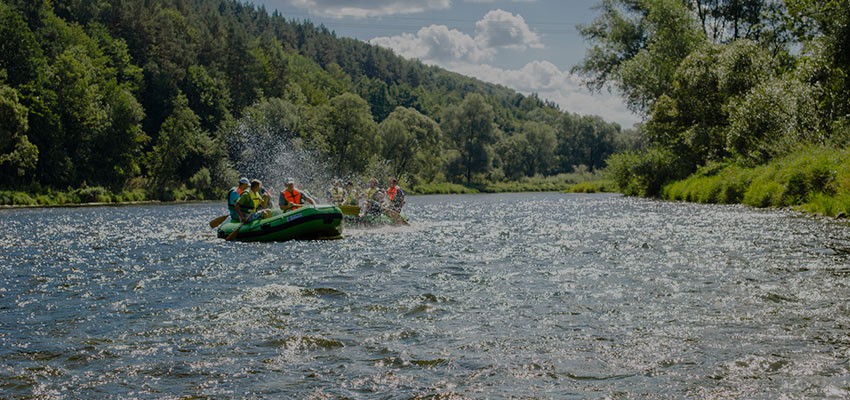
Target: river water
[482, 296]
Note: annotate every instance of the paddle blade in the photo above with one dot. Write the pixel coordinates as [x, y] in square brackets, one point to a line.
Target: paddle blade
[395, 216]
[350, 209]
[218, 221]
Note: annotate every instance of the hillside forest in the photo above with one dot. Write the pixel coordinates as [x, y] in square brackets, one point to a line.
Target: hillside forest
[175, 99]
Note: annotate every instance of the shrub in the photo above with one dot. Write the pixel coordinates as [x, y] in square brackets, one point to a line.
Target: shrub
[645, 174]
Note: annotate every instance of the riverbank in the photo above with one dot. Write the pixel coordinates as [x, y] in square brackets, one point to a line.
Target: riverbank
[814, 179]
[88, 197]
[578, 182]
[581, 182]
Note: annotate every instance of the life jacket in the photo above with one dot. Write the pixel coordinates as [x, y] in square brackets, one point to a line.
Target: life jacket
[396, 195]
[337, 195]
[256, 200]
[231, 203]
[351, 198]
[370, 193]
[293, 197]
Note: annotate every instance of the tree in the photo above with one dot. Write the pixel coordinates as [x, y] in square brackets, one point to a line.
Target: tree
[471, 128]
[176, 135]
[822, 27]
[637, 47]
[351, 134]
[17, 155]
[413, 143]
[584, 140]
[208, 97]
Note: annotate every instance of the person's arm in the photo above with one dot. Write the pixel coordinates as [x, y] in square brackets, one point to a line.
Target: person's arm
[266, 198]
[239, 211]
[283, 202]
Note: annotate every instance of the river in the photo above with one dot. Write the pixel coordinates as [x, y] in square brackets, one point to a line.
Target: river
[547, 296]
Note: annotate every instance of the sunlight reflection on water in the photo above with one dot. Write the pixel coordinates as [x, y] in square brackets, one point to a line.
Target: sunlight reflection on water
[484, 296]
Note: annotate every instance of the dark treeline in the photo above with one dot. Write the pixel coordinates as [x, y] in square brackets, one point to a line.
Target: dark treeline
[157, 96]
[726, 84]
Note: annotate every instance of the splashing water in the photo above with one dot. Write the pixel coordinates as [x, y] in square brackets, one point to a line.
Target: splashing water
[265, 147]
[265, 150]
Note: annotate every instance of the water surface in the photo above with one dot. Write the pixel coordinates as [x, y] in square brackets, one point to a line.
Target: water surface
[483, 296]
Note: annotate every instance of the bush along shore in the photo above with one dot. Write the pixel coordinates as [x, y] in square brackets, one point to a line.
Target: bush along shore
[581, 182]
[90, 195]
[814, 179]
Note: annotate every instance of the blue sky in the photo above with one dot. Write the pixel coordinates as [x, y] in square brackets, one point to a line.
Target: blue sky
[528, 45]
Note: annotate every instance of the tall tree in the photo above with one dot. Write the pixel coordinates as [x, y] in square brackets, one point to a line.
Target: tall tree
[351, 134]
[178, 132]
[471, 128]
[637, 46]
[17, 155]
[412, 142]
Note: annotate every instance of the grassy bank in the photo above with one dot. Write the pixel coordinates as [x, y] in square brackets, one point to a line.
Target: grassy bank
[815, 179]
[35, 197]
[582, 182]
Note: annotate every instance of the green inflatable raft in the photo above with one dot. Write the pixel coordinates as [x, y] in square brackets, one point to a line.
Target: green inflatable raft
[309, 222]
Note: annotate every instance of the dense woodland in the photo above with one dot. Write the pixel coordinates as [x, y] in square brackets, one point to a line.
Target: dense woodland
[176, 98]
[749, 96]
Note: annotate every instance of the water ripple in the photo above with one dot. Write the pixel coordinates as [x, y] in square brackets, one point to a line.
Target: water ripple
[485, 296]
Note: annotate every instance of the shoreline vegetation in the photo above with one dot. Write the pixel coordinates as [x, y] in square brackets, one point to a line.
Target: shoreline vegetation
[814, 179]
[588, 182]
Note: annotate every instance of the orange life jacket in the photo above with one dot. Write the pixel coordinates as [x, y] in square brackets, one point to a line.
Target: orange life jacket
[392, 192]
[293, 197]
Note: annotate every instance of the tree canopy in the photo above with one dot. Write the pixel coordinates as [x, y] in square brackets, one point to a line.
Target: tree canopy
[167, 95]
[719, 81]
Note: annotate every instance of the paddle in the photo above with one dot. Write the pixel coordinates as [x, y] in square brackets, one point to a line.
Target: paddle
[396, 217]
[349, 209]
[218, 221]
[235, 233]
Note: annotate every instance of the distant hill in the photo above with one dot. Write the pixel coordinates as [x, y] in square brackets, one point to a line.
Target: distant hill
[159, 95]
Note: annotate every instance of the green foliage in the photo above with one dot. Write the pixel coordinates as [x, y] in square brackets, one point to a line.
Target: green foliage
[815, 178]
[180, 133]
[412, 142]
[114, 92]
[715, 183]
[637, 46]
[352, 134]
[600, 186]
[470, 127]
[645, 173]
[17, 155]
[772, 119]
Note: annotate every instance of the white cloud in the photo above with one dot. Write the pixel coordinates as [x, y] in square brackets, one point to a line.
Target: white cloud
[459, 52]
[439, 43]
[436, 44]
[500, 28]
[550, 83]
[368, 8]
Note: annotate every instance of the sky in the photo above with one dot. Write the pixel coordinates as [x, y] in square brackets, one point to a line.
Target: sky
[527, 45]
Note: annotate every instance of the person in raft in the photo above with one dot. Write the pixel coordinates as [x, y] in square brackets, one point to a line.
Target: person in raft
[336, 194]
[395, 195]
[252, 205]
[292, 197]
[370, 191]
[351, 194]
[233, 196]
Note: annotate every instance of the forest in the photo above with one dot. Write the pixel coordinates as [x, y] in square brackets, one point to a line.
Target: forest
[744, 101]
[126, 100]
